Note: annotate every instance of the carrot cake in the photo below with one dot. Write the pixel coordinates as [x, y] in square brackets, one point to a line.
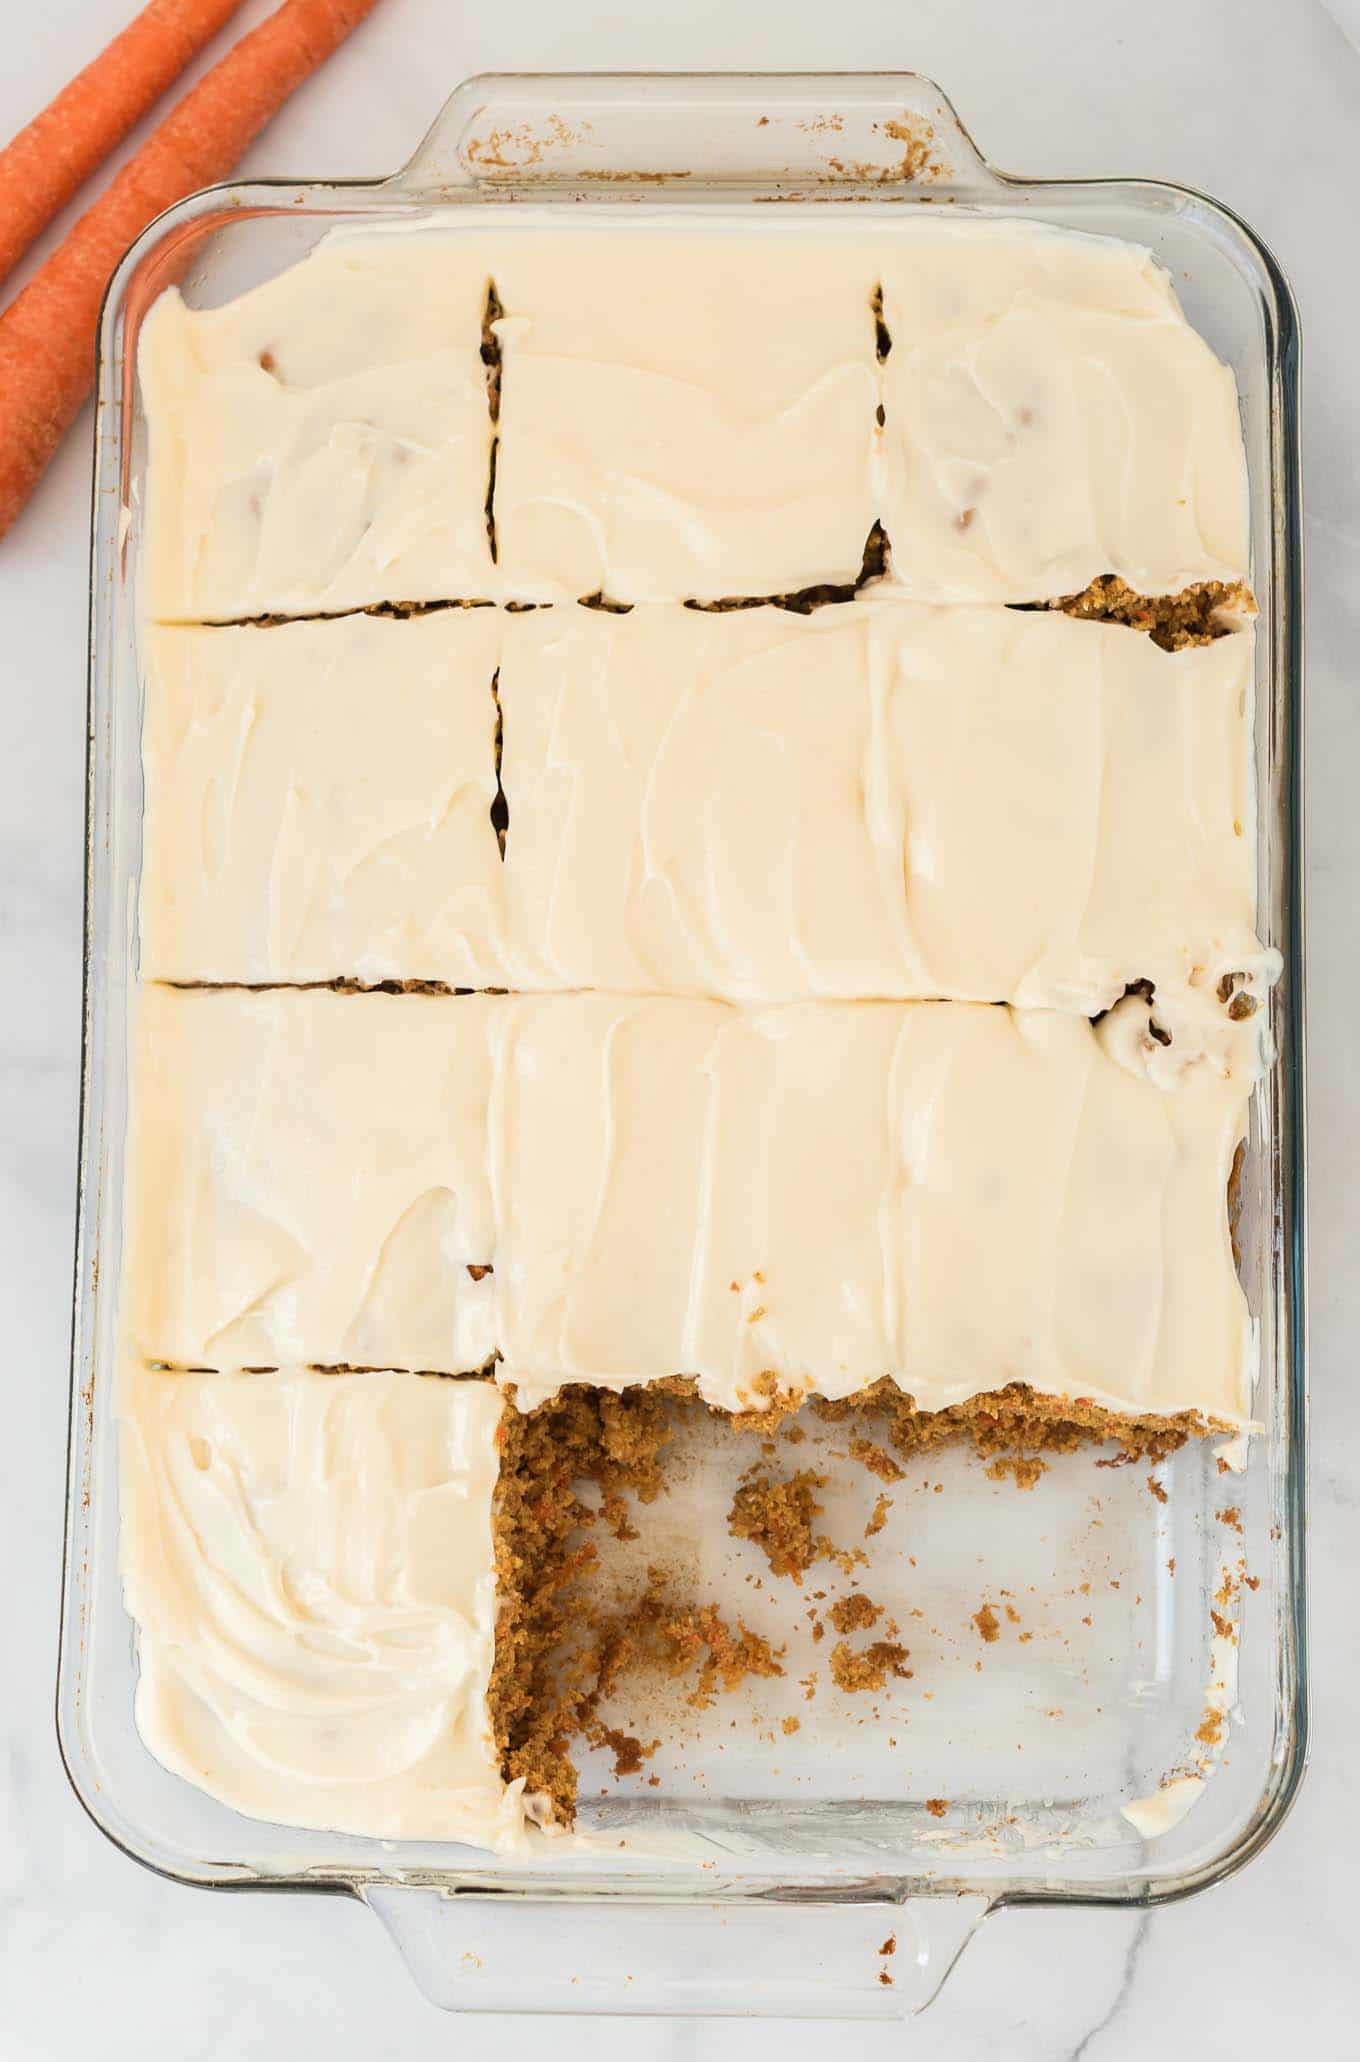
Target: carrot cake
[800, 677]
[685, 411]
[310, 1562]
[318, 798]
[1051, 416]
[322, 442]
[307, 1180]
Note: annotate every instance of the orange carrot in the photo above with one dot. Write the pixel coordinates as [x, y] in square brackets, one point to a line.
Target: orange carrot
[47, 334]
[53, 157]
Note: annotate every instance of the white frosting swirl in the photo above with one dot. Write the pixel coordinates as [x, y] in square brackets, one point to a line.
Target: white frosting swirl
[309, 1561]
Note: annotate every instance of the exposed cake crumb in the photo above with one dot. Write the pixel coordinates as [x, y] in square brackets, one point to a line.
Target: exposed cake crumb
[878, 1517]
[847, 1559]
[778, 1517]
[854, 1614]
[1024, 1469]
[1197, 615]
[938, 1807]
[876, 1459]
[559, 1654]
[628, 1751]
[869, 1669]
[987, 1623]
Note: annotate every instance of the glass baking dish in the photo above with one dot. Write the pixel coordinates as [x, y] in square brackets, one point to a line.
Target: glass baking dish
[1036, 1773]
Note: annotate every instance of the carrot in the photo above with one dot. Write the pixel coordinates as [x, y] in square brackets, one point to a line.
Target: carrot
[49, 160]
[47, 334]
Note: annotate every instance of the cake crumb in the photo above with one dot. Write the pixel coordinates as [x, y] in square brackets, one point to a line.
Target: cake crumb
[628, 1751]
[876, 1459]
[987, 1623]
[854, 1614]
[889, 1946]
[791, 1724]
[1024, 1469]
[1157, 1489]
[938, 1807]
[878, 1517]
[847, 1559]
[869, 1670]
[777, 1517]
[1197, 615]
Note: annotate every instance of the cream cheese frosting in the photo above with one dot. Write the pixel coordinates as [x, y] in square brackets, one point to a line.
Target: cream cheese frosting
[691, 803]
[1050, 415]
[309, 1562]
[880, 799]
[810, 1198]
[684, 410]
[806, 1197]
[307, 1180]
[322, 442]
[687, 411]
[318, 800]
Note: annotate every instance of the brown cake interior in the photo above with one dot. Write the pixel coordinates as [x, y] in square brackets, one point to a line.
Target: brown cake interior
[573, 1471]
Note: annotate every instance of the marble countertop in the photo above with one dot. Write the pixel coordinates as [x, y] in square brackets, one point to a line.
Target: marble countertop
[1256, 102]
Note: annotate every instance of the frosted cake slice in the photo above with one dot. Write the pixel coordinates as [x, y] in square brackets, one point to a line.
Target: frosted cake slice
[310, 1562]
[1051, 416]
[307, 1180]
[683, 411]
[324, 441]
[319, 801]
[692, 804]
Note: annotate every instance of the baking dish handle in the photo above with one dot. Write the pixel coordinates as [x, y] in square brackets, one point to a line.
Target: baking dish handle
[755, 1959]
[784, 132]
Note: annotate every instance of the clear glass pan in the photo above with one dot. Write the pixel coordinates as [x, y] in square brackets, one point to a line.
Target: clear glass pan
[774, 1895]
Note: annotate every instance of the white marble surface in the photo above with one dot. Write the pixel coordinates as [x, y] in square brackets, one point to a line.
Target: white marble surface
[1257, 101]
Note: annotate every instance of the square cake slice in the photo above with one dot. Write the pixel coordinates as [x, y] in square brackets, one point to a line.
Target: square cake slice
[1059, 1218]
[1051, 416]
[324, 441]
[684, 411]
[307, 1180]
[319, 801]
[310, 1562]
[1074, 811]
[692, 801]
